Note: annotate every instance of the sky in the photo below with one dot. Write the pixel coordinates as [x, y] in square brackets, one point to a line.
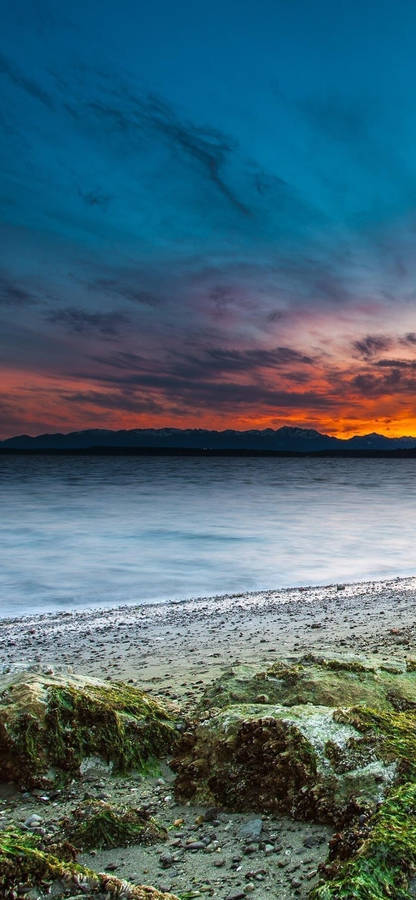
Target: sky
[208, 215]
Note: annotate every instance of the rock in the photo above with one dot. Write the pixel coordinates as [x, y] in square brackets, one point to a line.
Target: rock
[166, 860]
[328, 745]
[95, 824]
[252, 829]
[22, 861]
[322, 682]
[300, 760]
[211, 814]
[52, 723]
[380, 861]
[32, 821]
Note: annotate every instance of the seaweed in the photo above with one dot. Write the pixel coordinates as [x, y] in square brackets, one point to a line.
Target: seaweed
[55, 724]
[386, 860]
[24, 863]
[96, 824]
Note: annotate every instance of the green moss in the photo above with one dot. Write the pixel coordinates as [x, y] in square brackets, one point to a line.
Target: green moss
[386, 859]
[315, 680]
[393, 734]
[54, 723]
[96, 825]
[23, 862]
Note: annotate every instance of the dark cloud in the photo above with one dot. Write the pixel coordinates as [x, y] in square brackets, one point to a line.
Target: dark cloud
[22, 81]
[369, 346]
[79, 321]
[247, 360]
[95, 198]
[13, 294]
[409, 338]
[394, 383]
[113, 400]
[208, 147]
[129, 291]
[209, 363]
[396, 363]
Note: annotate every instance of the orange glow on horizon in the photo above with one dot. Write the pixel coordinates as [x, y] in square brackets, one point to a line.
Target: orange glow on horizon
[35, 403]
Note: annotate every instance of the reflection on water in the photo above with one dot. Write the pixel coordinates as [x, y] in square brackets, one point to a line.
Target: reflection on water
[90, 531]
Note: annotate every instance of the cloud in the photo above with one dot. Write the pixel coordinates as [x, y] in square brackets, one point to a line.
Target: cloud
[211, 363]
[79, 321]
[95, 198]
[13, 294]
[396, 382]
[208, 147]
[219, 361]
[130, 292]
[116, 400]
[409, 338]
[396, 363]
[369, 346]
[22, 81]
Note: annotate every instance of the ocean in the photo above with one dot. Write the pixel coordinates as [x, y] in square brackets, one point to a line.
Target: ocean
[79, 532]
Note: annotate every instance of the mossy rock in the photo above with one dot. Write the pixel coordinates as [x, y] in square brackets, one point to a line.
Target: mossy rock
[300, 760]
[95, 824]
[316, 738]
[322, 682]
[381, 857]
[24, 863]
[385, 861]
[49, 724]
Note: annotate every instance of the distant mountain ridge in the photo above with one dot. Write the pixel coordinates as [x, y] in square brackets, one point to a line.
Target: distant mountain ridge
[285, 439]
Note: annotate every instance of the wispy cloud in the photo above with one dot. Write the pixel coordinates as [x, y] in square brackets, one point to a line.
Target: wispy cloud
[21, 80]
[82, 322]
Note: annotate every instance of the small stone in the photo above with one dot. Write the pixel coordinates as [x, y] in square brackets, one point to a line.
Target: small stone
[166, 860]
[252, 829]
[32, 821]
[211, 814]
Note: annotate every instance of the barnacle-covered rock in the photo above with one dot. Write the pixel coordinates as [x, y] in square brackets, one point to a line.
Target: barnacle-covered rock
[317, 738]
[300, 760]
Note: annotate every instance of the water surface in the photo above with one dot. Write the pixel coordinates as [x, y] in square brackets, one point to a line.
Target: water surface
[103, 531]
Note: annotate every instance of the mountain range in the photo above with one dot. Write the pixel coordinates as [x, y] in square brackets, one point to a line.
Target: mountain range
[285, 440]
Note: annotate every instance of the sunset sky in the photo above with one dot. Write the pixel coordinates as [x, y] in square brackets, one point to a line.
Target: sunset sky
[208, 215]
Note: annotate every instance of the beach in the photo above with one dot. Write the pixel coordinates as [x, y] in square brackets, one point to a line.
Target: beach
[174, 651]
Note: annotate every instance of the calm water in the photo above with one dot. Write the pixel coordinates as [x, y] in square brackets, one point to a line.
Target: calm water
[105, 531]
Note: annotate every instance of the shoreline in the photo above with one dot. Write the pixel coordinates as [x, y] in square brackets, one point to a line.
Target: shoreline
[175, 649]
[284, 594]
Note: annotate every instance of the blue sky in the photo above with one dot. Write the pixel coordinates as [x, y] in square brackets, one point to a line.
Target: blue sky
[207, 210]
